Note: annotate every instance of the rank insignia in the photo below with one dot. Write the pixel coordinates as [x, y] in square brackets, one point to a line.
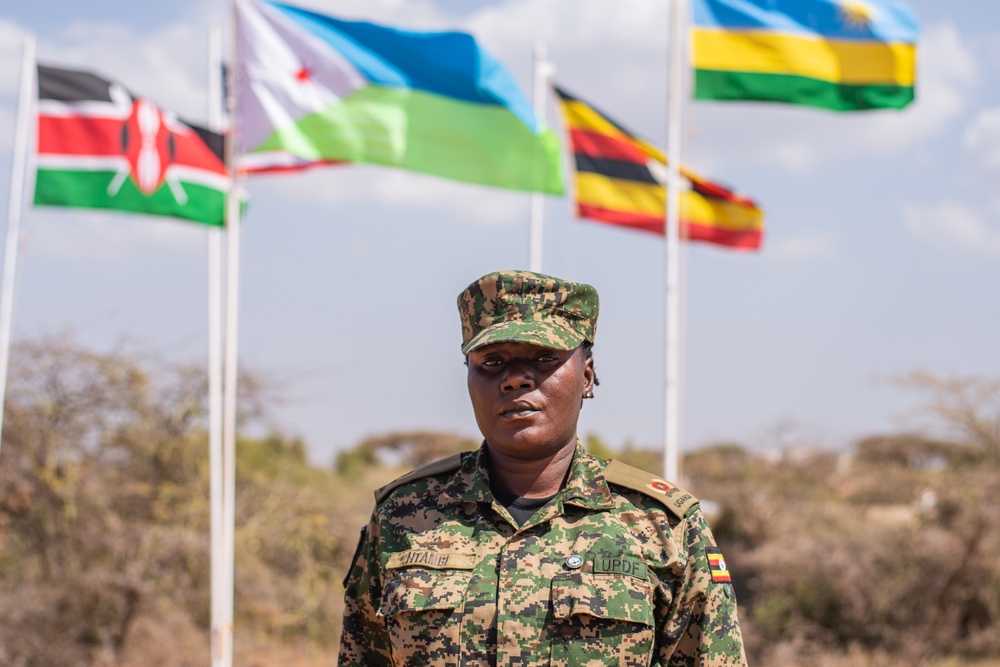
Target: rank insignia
[659, 486]
[717, 565]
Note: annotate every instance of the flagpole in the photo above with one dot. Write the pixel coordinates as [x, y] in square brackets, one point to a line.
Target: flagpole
[216, 475]
[672, 433]
[15, 207]
[231, 357]
[682, 336]
[541, 73]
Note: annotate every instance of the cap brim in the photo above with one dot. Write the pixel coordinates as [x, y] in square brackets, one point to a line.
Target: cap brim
[543, 334]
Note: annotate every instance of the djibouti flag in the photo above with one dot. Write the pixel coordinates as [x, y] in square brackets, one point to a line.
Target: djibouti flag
[313, 88]
[844, 55]
[100, 146]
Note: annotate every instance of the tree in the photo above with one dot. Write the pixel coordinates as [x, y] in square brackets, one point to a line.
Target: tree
[969, 407]
[104, 517]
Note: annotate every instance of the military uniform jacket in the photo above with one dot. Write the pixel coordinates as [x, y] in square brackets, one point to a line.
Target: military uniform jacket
[602, 575]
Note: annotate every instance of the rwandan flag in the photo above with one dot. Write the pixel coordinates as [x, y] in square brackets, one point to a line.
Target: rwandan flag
[844, 55]
[619, 180]
[100, 146]
[313, 88]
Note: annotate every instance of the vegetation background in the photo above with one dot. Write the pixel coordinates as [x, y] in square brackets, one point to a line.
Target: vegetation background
[883, 555]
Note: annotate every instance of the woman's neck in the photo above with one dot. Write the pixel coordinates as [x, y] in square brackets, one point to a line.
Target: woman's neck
[540, 478]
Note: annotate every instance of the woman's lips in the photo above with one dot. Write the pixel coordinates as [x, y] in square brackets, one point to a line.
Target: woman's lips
[518, 410]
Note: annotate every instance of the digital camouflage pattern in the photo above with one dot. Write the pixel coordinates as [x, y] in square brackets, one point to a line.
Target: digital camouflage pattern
[602, 575]
[526, 307]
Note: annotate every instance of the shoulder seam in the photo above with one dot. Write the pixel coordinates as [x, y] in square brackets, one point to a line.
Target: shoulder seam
[671, 496]
[453, 462]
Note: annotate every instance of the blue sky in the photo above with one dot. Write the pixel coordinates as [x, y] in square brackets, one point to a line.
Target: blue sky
[881, 256]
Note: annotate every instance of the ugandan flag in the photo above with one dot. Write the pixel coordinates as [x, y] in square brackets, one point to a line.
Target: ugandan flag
[620, 180]
[100, 146]
[717, 566]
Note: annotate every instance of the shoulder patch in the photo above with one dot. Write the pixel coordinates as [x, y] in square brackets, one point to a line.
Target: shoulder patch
[453, 462]
[673, 497]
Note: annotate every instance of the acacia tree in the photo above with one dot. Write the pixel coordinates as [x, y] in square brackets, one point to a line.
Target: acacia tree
[969, 407]
[104, 517]
[101, 499]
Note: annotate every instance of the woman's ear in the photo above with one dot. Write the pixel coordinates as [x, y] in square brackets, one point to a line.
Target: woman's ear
[589, 377]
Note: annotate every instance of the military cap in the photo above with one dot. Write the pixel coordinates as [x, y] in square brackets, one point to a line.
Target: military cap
[526, 307]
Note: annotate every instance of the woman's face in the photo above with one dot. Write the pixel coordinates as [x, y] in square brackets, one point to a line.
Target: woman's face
[527, 398]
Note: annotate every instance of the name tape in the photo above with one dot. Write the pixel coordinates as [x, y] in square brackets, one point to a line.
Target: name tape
[431, 559]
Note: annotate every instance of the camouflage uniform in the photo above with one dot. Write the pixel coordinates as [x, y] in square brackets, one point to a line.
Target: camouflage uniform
[618, 568]
[613, 571]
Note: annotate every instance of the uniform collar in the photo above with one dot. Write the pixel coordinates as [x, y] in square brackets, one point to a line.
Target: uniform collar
[585, 486]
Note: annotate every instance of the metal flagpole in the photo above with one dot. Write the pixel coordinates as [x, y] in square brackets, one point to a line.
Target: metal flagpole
[231, 360]
[682, 341]
[672, 433]
[215, 368]
[15, 206]
[541, 73]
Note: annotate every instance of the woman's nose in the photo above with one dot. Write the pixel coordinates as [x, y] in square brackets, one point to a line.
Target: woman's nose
[518, 376]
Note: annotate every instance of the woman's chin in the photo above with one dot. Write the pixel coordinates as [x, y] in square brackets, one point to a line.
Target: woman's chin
[528, 444]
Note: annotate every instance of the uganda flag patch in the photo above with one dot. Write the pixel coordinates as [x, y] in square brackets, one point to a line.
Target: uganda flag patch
[717, 565]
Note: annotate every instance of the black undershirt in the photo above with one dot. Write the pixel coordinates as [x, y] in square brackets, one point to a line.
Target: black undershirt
[521, 509]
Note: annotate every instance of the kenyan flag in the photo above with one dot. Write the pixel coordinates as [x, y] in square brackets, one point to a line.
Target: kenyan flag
[100, 146]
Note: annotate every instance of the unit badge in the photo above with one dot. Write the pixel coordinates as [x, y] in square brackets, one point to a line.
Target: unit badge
[659, 486]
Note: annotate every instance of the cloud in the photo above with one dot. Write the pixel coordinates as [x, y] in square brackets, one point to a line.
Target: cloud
[11, 47]
[409, 192]
[807, 246]
[952, 225]
[107, 237]
[168, 65]
[411, 14]
[11, 50]
[7, 121]
[947, 74]
[982, 137]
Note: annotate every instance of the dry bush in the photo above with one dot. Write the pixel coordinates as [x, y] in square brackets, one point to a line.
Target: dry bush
[101, 503]
[881, 558]
[406, 450]
[891, 552]
[104, 517]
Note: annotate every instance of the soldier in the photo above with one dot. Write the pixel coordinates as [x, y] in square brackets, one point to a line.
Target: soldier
[530, 551]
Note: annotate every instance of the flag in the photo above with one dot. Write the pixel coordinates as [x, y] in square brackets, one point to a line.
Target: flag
[844, 55]
[316, 88]
[717, 566]
[620, 180]
[100, 146]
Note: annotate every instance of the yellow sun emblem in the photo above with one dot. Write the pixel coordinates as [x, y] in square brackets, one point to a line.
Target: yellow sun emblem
[856, 13]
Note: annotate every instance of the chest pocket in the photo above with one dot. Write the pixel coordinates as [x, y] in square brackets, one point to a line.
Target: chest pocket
[604, 619]
[422, 610]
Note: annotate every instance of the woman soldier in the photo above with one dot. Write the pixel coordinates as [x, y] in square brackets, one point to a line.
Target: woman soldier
[530, 551]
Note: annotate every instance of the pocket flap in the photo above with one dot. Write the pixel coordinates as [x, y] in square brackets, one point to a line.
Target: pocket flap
[615, 597]
[419, 589]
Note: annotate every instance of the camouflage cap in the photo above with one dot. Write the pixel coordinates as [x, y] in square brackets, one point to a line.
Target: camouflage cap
[526, 307]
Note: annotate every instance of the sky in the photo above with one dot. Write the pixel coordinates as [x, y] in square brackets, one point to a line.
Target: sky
[881, 253]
